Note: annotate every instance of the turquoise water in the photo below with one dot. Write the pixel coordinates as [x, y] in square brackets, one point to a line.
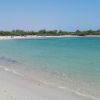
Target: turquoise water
[77, 59]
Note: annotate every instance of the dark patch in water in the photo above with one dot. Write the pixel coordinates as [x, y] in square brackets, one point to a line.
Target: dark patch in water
[7, 61]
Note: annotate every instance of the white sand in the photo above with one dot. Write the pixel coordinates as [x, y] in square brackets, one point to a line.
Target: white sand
[37, 37]
[32, 37]
[17, 87]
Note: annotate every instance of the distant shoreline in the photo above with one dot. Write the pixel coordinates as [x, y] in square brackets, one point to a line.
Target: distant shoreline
[39, 37]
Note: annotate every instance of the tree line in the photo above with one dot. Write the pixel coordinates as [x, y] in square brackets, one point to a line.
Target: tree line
[49, 33]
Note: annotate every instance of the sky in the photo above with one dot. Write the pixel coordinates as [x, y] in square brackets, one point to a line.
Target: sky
[67, 15]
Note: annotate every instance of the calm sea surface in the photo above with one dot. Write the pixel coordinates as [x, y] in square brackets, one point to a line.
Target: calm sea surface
[73, 62]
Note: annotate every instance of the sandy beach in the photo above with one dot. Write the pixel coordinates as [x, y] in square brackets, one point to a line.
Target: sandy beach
[38, 37]
[14, 86]
[32, 37]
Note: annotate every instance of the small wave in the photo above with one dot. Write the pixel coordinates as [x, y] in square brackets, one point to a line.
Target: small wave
[86, 95]
[79, 93]
[62, 87]
[12, 70]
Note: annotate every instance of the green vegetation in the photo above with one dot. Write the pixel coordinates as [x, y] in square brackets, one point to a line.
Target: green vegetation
[49, 33]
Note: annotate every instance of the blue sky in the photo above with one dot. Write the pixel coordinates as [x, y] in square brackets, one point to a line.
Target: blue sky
[68, 15]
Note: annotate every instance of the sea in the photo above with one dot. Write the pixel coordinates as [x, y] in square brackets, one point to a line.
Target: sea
[71, 63]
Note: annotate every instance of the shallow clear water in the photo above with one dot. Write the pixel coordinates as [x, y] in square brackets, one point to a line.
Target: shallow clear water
[73, 60]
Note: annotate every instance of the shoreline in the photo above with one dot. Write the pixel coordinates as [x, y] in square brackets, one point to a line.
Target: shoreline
[18, 87]
[39, 37]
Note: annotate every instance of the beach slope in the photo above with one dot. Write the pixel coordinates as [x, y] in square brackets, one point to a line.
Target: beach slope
[17, 87]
